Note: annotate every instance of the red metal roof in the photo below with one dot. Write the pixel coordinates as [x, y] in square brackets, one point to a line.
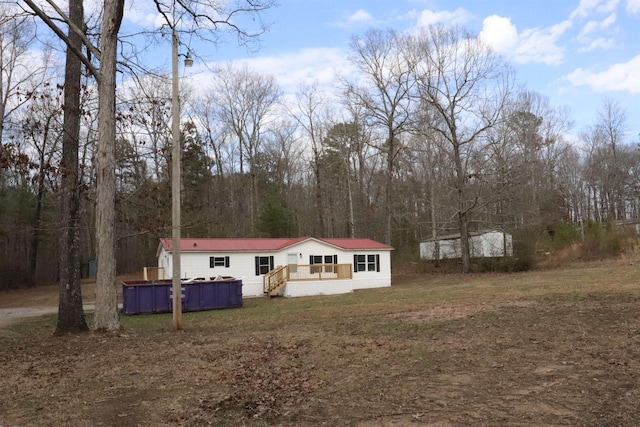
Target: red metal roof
[356, 243]
[264, 244]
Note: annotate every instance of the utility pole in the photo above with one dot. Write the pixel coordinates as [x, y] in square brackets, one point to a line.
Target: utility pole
[176, 153]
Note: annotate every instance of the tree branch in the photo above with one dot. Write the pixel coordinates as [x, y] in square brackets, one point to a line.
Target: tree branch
[49, 22]
[77, 30]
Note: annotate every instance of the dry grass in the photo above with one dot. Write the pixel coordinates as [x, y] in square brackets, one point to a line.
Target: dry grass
[557, 347]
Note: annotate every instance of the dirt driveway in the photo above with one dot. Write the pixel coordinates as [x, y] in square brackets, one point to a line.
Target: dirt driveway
[19, 304]
[10, 316]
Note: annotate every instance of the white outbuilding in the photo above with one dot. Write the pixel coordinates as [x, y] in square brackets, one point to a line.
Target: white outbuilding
[482, 244]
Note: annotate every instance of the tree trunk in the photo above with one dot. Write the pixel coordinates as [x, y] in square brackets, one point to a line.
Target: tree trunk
[37, 220]
[463, 219]
[351, 228]
[321, 224]
[70, 313]
[463, 224]
[434, 223]
[389, 190]
[106, 316]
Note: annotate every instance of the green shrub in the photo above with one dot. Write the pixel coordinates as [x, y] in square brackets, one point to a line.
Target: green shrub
[601, 241]
[565, 234]
[593, 229]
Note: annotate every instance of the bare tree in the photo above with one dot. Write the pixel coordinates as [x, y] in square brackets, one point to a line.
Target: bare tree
[18, 77]
[467, 86]
[245, 99]
[148, 117]
[365, 161]
[506, 170]
[311, 115]
[337, 145]
[286, 151]
[431, 172]
[536, 129]
[609, 168]
[611, 123]
[385, 92]
[41, 129]
[214, 133]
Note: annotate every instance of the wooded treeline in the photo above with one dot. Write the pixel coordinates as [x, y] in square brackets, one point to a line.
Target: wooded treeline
[430, 136]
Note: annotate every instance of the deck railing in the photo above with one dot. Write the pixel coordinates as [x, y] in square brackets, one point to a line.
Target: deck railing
[153, 273]
[282, 274]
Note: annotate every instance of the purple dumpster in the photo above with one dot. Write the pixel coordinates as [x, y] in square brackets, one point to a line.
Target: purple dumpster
[144, 297]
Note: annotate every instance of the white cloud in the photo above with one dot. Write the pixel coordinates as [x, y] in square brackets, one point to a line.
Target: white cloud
[618, 77]
[411, 15]
[460, 16]
[601, 6]
[143, 13]
[633, 6]
[584, 7]
[500, 34]
[540, 45]
[533, 45]
[360, 15]
[608, 6]
[307, 65]
[592, 26]
[589, 42]
[599, 43]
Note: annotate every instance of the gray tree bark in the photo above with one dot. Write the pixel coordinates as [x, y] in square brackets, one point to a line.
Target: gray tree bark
[106, 315]
[71, 317]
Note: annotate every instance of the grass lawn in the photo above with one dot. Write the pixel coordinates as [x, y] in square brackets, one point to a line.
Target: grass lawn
[557, 347]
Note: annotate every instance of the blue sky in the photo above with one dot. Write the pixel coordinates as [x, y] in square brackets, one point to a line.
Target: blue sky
[575, 52]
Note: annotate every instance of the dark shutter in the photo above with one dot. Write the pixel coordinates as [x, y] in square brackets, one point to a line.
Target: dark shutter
[211, 262]
[271, 263]
[310, 259]
[257, 266]
[378, 263]
[226, 261]
[355, 263]
[335, 259]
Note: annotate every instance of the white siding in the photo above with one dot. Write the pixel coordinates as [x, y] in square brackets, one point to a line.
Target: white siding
[242, 265]
[372, 279]
[320, 287]
[493, 244]
[164, 260]
[449, 249]
[489, 244]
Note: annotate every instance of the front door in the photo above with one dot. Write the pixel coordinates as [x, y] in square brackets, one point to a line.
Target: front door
[292, 260]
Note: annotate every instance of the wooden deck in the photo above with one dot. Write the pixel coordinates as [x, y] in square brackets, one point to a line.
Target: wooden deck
[279, 276]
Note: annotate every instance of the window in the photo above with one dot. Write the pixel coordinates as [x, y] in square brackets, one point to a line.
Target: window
[219, 261]
[315, 259]
[373, 262]
[323, 259]
[366, 263]
[264, 264]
